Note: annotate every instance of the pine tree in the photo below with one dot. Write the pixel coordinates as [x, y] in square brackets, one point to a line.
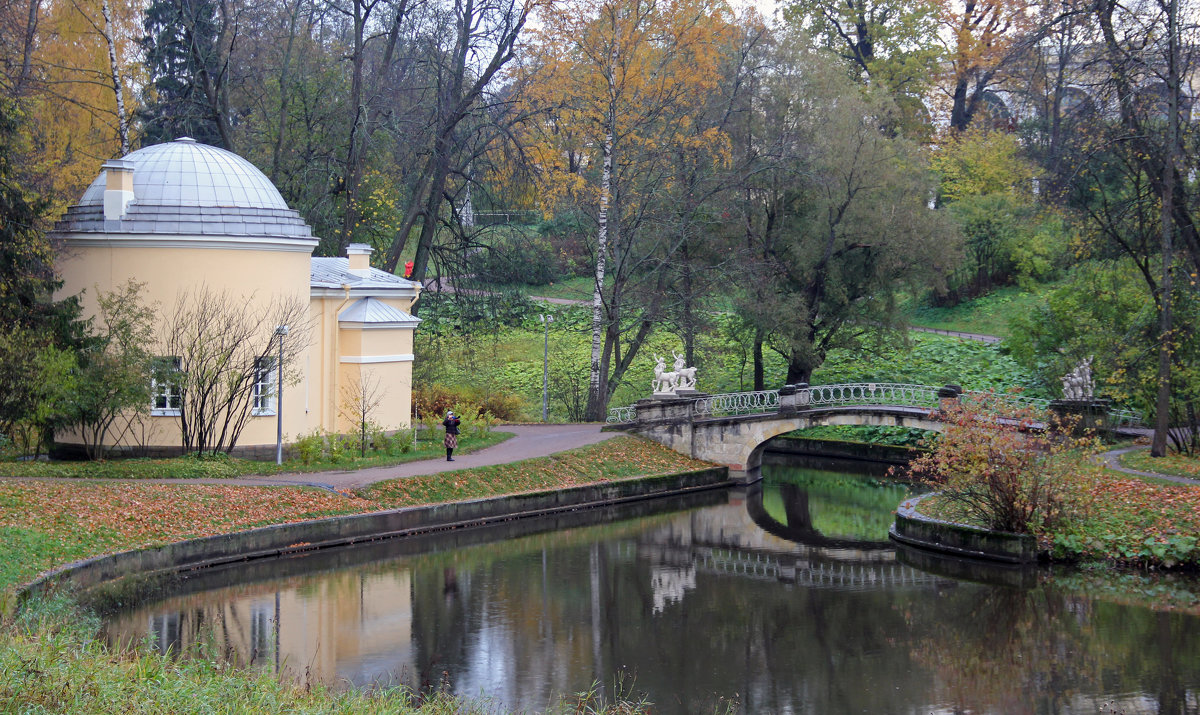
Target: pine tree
[183, 60]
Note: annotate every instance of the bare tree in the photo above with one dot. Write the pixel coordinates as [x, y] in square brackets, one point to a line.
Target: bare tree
[483, 39]
[218, 351]
[359, 402]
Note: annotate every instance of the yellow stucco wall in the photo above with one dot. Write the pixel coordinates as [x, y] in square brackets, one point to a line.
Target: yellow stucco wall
[251, 278]
[388, 385]
[167, 271]
[313, 391]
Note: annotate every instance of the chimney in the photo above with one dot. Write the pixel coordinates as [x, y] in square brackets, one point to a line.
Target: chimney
[359, 255]
[118, 188]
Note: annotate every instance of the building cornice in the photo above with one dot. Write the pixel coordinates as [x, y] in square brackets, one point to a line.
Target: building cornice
[152, 240]
[392, 325]
[373, 359]
[372, 292]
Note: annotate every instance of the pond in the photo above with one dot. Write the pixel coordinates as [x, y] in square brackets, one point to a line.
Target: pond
[780, 598]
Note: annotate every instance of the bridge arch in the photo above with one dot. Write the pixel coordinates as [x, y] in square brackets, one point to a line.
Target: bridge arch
[751, 449]
[733, 429]
[696, 427]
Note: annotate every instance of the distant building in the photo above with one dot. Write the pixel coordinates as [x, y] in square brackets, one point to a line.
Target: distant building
[184, 216]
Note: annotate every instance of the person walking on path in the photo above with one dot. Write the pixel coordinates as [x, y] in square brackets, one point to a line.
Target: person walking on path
[451, 424]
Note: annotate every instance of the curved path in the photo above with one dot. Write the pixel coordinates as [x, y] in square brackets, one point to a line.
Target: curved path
[529, 441]
[1112, 460]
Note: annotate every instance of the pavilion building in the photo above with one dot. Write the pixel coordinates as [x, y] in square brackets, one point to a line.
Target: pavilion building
[184, 217]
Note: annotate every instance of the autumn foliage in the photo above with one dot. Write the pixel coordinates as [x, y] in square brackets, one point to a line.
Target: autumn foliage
[1008, 467]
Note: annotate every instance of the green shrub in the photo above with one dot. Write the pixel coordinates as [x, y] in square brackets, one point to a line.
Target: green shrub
[475, 422]
[432, 423]
[995, 468]
[402, 441]
[436, 399]
[311, 447]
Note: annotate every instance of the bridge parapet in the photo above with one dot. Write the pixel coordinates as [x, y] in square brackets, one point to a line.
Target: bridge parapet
[732, 428]
[787, 399]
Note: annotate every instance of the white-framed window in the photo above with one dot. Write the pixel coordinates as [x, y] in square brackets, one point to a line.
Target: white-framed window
[264, 386]
[164, 387]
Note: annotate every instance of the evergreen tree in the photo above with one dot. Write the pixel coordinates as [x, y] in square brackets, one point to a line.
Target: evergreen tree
[38, 335]
[184, 65]
[27, 280]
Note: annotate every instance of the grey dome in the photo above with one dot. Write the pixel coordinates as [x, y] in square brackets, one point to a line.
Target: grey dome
[184, 187]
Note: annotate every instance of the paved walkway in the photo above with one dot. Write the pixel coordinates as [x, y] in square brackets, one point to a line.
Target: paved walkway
[978, 337]
[446, 285]
[529, 441]
[1112, 460]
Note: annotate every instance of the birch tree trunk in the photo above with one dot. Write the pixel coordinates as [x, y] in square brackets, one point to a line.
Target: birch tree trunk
[597, 400]
[114, 71]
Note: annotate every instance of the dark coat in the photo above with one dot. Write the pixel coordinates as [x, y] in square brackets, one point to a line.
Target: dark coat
[451, 425]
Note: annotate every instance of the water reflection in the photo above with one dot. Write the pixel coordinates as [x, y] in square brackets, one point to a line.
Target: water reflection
[700, 604]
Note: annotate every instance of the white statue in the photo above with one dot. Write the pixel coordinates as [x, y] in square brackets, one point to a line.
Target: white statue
[685, 376]
[664, 382]
[1078, 384]
[667, 383]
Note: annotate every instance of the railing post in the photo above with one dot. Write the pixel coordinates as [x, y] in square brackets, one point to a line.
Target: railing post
[1083, 415]
[793, 398]
[948, 396]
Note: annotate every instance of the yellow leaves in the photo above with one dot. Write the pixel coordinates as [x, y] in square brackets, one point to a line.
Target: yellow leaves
[75, 125]
[980, 161]
[628, 69]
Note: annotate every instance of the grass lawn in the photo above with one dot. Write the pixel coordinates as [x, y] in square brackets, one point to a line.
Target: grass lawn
[45, 524]
[220, 467]
[51, 660]
[1178, 465]
[617, 458]
[577, 288]
[1124, 519]
[988, 315]
[1134, 521]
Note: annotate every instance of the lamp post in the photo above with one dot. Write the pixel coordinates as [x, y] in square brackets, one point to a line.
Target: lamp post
[546, 320]
[281, 331]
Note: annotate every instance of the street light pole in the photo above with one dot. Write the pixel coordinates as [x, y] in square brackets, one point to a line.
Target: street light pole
[546, 320]
[281, 331]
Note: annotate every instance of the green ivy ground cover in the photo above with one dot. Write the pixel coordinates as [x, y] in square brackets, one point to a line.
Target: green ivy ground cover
[511, 356]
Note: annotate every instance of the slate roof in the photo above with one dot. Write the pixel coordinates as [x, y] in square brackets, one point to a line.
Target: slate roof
[371, 311]
[335, 272]
[184, 187]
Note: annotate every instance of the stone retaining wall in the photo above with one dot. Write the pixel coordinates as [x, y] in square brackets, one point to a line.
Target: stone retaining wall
[883, 453]
[282, 539]
[915, 529]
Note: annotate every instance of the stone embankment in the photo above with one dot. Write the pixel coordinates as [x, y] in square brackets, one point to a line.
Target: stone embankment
[287, 539]
[916, 529]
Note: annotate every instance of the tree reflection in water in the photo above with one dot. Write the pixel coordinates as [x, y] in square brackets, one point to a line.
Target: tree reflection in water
[699, 604]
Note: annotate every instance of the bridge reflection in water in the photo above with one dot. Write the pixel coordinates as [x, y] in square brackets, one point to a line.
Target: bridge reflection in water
[700, 600]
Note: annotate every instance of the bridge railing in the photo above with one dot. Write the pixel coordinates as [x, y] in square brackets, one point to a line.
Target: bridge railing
[854, 393]
[618, 415]
[871, 393]
[737, 403]
[1124, 418]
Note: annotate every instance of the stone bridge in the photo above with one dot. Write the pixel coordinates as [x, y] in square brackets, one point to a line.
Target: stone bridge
[733, 429]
